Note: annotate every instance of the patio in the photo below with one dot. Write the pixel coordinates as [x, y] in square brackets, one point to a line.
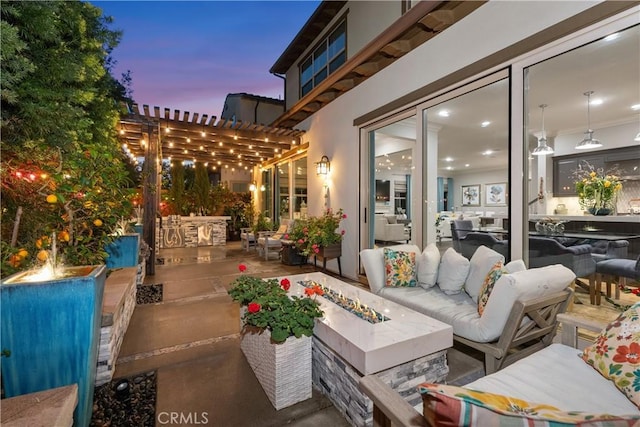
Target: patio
[192, 341]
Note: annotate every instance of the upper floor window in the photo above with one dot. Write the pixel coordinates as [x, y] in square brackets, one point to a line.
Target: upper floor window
[328, 56]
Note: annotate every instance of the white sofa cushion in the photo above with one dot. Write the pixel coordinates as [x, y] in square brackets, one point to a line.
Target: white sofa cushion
[373, 263]
[556, 375]
[515, 265]
[452, 272]
[428, 262]
[481, 263]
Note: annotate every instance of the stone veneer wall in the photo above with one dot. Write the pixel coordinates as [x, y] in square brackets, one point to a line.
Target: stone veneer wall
[190, 232]
[339, 381]
[115, 319]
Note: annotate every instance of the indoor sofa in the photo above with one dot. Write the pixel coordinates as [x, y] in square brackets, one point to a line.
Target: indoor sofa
[558, 385]
[494, 308]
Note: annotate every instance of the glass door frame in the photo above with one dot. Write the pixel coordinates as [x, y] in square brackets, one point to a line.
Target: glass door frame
[367, 180]
[519, 154]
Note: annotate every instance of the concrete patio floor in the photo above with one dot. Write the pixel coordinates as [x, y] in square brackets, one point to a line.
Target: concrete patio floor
[192, 340]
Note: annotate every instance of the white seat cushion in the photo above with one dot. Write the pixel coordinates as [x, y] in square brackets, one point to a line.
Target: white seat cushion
[557, 376]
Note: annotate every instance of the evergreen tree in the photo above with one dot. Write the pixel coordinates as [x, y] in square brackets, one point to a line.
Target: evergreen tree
[201, 189]
[176, 192]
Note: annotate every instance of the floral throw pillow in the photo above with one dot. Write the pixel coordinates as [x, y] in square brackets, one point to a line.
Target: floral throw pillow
[399, 268]
[615, 354]
[448, 406]
[487, 286]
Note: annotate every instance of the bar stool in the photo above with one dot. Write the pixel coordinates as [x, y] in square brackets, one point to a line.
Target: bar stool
[616, 271]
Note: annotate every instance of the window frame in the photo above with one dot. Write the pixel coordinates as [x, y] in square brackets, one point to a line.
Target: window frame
[312, 81]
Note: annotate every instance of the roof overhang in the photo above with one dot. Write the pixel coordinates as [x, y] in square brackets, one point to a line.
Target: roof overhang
[422, 22]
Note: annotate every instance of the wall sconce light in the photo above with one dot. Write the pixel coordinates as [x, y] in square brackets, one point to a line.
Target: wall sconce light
[252, 187]
[262, 187]
[323, 166]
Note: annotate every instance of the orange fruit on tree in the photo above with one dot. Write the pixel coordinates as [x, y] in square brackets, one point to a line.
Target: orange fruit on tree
[43, 241]
[43, 255]
[63, 236]
[97, 222]
[14, 260]
[52, 198]
[22, 253]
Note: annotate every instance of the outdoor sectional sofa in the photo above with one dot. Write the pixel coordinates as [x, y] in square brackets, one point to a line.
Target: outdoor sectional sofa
[518, 315]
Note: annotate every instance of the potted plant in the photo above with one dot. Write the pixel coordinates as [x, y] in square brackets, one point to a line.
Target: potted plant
[318, 235]
[597, 189]
[276, 335]
[124, 250]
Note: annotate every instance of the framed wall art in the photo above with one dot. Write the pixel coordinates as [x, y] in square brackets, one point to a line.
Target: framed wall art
[471, 195]
[495, 194]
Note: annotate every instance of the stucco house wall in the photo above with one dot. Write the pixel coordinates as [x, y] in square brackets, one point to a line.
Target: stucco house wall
[330, 131]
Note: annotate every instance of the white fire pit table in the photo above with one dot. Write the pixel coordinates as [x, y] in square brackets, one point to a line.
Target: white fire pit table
[404, 348]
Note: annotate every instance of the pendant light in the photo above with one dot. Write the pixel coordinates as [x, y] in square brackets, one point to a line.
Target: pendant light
[589, 141]
[542, 149]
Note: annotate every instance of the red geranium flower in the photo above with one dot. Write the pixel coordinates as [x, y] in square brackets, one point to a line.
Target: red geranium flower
[285, 283]
[344, 216]
[629, 354]
[242, 268]
[342, 232]
[309, 291]
[254, 307]
[286, 236]
[318, 290]
[316, 250]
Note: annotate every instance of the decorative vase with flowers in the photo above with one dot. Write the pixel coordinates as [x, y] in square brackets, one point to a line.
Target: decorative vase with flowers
[313, 233]
[597, 189]
[276, 335]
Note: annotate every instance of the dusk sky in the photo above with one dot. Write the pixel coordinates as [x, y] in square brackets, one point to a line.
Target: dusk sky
[188, 55]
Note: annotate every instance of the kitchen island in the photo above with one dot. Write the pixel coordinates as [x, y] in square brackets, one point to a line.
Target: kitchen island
[626, 227]
[175, 231]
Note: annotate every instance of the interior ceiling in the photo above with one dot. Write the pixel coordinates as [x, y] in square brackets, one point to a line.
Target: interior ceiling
[610, 68]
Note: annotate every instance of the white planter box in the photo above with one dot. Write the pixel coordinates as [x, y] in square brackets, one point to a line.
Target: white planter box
[283, 370]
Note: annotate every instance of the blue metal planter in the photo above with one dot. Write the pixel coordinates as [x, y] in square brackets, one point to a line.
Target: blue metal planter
[52, 330]
[123, 251]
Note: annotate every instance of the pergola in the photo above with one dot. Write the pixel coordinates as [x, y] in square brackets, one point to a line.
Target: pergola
[203, 138]
[218, 144]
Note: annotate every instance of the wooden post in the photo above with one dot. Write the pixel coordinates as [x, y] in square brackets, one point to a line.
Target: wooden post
[150, 193]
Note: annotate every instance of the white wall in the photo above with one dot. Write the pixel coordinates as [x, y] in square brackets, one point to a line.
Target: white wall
[478, 178]
[331, 131]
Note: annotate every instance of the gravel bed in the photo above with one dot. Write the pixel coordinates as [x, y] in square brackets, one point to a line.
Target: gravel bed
[139, 409]
[149, 294]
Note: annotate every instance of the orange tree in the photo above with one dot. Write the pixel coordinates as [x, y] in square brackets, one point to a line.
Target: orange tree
[62, 171]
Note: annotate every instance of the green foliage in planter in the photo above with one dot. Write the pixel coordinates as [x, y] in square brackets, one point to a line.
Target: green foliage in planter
[269, 307]
[262, 223]
[59, 141]
[314, 232]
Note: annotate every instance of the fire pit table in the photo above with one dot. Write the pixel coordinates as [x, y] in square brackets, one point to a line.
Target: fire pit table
[361, 334]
